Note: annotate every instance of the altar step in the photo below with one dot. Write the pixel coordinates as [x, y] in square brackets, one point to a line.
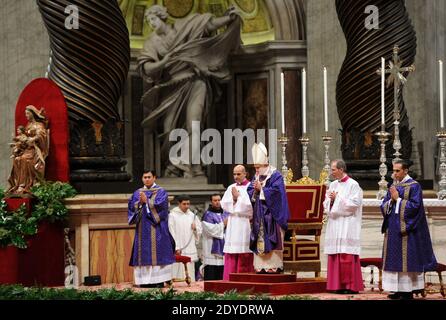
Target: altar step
[273, 284]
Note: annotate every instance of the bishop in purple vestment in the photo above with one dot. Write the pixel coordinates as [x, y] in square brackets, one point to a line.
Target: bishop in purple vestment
[270, 213]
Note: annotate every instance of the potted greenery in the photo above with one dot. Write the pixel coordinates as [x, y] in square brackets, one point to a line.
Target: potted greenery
[17, 227]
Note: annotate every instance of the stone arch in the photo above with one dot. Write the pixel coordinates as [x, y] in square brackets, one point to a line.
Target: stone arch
[288, 18]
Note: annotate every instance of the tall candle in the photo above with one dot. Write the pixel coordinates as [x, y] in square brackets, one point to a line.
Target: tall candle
[325, 101]
[383, 93]
[304, 101]
[440, 65]
[282, 101]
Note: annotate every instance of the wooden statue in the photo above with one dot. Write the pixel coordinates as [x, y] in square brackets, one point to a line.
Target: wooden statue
[30, 149]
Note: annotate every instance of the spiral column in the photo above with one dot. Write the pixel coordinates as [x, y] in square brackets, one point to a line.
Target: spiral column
[358, 90]
[90, 65]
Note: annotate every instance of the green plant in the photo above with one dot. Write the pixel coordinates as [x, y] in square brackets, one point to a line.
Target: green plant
[49, 206]
[15, 226]
[18, 292]
[50, 196]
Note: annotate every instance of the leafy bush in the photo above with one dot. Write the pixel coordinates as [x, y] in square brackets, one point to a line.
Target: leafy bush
[15, 226]
[50, 196]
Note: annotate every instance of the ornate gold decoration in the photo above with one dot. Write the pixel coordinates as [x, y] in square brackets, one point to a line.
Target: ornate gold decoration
[153, 240]
[323, 176]
[313, 200]
[289, 177]
[179, 8]
[315, 250]
[287, 252]
[305, 180]
[97, 126]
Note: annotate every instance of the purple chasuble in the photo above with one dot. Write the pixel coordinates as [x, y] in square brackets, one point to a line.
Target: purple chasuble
[407, 242]
[153, 244]
[269, 215]
[215, 216]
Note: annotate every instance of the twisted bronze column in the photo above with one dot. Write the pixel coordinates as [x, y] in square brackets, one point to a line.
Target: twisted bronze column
[90, 65]
[358, 86]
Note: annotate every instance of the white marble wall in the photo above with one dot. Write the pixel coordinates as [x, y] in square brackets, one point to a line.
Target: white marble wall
[24, 46]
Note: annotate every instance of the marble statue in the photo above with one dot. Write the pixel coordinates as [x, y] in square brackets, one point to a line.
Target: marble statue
[183, 62]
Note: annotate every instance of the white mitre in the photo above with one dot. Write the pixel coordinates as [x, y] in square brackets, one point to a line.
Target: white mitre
[259, 153]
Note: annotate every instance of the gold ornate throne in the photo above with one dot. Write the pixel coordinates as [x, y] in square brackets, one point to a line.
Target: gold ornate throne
[302, 239]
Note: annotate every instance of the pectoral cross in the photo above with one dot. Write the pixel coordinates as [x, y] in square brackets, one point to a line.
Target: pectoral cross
[398, 80]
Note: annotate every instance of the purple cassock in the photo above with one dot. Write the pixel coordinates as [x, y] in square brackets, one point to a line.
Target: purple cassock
[153, 244]
[269, 215]
[407, 244]
[215, 216]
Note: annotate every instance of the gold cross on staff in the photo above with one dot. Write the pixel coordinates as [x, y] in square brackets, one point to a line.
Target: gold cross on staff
[396, 70]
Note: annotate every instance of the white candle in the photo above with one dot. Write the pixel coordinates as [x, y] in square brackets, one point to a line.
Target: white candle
[304, 100]
[325, 101]
[383, 93]
[440, 65]
[282, 101]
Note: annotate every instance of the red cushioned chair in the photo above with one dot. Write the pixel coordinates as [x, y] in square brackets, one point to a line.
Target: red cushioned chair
[301, 250]
[376, 262]
[184, 260]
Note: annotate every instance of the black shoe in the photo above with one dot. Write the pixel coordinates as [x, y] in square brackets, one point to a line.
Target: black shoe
[417, 292]
[394, 296]
[341, 291]
[406, 296]
[152, 285]
[348, 291]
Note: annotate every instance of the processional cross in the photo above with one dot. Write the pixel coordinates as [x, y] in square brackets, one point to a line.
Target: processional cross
[398, 80]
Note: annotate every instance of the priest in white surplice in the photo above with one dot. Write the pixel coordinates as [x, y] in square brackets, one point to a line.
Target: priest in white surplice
[238, 257]
[185, 227]
[343, 205]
